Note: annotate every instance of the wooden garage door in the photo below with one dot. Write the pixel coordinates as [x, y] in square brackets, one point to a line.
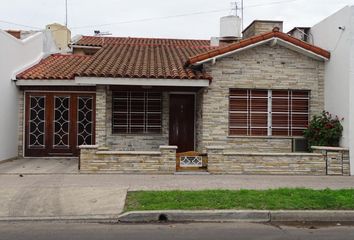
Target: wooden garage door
[57, 123]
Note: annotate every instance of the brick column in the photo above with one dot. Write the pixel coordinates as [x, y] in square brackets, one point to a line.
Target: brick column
[215, 159]
[101, 115]
[168, 159]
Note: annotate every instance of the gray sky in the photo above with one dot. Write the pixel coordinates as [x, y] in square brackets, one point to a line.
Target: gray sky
[38, 13]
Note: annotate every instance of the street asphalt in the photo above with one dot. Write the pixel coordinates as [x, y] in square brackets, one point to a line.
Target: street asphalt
[205, 231]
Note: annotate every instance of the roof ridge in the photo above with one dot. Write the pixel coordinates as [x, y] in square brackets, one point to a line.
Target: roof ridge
[67, 55]
[157, 44]
[149, 38]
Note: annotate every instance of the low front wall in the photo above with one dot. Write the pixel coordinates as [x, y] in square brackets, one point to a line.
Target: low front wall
[222, 162]
[93, 159]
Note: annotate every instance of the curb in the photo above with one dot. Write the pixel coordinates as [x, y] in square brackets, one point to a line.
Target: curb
[312, 216]
[237, 216]
[82, 218]
[260, 216]
[195, 216]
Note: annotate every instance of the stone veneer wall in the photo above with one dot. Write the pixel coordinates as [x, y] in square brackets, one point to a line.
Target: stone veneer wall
[134, 141]
[223, 162]
[262, 67]
[94, 160]
[101, 115]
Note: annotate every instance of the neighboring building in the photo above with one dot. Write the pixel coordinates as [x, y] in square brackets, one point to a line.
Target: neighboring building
[128, 101]
[61, 35]
[302, 33]
[19, 50]
[16, 54]
[336, 33]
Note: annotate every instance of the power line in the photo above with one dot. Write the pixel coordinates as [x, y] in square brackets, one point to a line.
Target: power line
[152, 18]
[156, 18]
[20, 25]
[180, 15]
[270, 3]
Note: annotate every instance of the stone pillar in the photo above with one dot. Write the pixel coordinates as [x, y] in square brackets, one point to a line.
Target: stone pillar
[87, 154]
[21, 130]
[215, 159]
[168, 159]
[336, 158]
[101, 115]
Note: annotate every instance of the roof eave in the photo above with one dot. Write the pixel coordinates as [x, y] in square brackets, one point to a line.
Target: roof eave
[143, 81]
[48, 82]
[230, 53]
[93, 81]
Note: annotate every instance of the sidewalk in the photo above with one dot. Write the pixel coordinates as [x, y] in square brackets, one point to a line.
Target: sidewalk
[98, 196]
[166, 182]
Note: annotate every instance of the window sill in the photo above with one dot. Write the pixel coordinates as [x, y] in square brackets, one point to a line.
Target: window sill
[264, 137]
[137, 134]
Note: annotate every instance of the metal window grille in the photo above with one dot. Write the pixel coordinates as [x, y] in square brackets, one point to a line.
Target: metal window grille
[36, 122]
[136, 112]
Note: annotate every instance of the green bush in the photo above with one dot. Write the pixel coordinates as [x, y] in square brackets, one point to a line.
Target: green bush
[324, 130]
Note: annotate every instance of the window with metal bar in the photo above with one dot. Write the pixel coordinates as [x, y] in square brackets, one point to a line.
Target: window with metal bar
[254, 112]
[136, 112]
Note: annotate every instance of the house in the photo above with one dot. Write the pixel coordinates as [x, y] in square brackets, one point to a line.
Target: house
[336, 33]
[134, 104]
[17, 52]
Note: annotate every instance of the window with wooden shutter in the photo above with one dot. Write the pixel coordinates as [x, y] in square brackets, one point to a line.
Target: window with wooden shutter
[268, 112]
[136, 112]
[299, 112]
[258, 112]
[248, 112]
[239, 112]
[281, 113]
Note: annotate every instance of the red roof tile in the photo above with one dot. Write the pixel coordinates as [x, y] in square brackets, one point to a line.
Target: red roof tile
[144, 61]
[252, 40]
[125, 57]
[56, 66]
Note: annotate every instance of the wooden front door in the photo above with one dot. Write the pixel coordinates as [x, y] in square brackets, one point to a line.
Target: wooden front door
[181, 125]
[57, 123]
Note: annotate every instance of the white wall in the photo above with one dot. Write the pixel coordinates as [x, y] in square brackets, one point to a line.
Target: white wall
[339, 70]
[15, 55]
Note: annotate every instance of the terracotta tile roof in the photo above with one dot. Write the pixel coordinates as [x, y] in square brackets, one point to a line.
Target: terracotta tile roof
[252, 40]
[145, 58]
[144, 61]
[56, 66]
[102, 41]
[125, 57]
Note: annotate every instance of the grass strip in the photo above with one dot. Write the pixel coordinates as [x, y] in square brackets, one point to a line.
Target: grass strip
[272, 199]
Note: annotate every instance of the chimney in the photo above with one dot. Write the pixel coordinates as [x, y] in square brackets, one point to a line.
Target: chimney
[261, 26]
[61, 35]
[14, 33]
